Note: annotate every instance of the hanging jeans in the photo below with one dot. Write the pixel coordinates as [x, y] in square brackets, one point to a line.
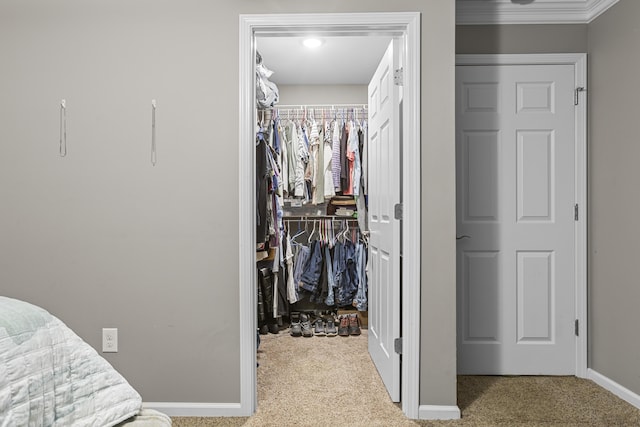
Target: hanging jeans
[361, 271]
[322, 290]
[300, 260]
[331, 284]
[311, 275]
[346, 276]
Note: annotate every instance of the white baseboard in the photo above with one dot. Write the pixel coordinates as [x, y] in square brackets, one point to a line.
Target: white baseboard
[615, 388]
[185, 409]
[435, 412]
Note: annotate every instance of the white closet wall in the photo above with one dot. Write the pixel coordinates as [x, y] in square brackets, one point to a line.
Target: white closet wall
[322, 94]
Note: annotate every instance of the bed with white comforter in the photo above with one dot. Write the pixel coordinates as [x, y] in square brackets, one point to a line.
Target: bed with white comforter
[50, 377]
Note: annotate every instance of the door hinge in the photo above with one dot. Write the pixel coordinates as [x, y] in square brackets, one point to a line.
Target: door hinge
[398, 77]
[576, 212]
[397, 211]
[397, 345]
[576, 95]
[577, 327]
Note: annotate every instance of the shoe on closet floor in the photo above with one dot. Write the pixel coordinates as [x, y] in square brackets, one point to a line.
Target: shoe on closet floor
[305, 324]
[264, 330]
[318, 328]
[273, 328]
[343, 329]
[330, 327]
[296, 328]
[354, 324]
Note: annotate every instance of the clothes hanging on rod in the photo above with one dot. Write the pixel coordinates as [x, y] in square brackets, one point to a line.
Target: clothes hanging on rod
[329, 267]
[325, 260]
[325, 151]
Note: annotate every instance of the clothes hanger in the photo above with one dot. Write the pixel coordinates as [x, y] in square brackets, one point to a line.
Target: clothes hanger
[312, 232]
[341, 233]
[327, 225]
[300, 232]
[346, 233]
[320, 234]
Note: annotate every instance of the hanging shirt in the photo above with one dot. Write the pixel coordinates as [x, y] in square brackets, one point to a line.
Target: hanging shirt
[308, 169]
[293, 155]
[292, 291]
[329, 190]
[301, 164]
[344, 163]
[284, 160]
[335, 157]
[354, 148]
[262, 182]
[348, 184]
[314, 158]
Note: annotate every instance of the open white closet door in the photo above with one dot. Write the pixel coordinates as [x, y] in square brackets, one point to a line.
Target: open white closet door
[384, 194]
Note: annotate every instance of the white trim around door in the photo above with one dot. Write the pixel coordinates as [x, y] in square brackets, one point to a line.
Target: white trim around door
[579, 61]
[402, 24]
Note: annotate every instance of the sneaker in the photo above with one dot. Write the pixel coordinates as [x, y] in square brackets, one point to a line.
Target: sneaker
[354, 324]
[305, 324]
[343, 329]
[296, 328]
[318, 328]
[331, 329]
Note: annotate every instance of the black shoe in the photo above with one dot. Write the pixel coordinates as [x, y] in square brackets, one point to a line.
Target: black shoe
[264, 330]
[318, 328]
[343, 329]
[354, 324]
[305, 324]
[273, 328]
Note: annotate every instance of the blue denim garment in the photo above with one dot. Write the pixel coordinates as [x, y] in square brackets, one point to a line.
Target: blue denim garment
[339, 267]
[361, 271]
[321, 292]
[300, 259]
[330, 279]
[312, 270]
[347, 285]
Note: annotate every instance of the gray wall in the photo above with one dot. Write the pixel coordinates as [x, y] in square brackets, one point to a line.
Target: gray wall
[614, 176]
[477, 39]
[103, 239]
[322, 94]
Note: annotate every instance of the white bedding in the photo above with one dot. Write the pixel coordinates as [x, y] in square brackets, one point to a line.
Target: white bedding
[50, 377]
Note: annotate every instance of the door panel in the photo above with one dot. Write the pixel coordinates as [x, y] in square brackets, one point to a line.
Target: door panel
[384, 242]
[515, 163]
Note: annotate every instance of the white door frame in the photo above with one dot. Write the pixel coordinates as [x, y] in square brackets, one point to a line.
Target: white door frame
[401, 23]
[579, 61]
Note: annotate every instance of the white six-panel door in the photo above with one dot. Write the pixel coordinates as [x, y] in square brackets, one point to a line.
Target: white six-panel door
[384, 244]
[515, 219]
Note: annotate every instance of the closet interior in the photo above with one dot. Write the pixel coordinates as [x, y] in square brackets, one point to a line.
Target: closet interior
[311, 199]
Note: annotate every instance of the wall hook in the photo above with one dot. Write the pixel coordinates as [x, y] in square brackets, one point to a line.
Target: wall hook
[63, 128]
[154, 157]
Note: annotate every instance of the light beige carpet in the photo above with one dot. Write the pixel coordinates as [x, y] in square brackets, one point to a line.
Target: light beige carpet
[331, 381]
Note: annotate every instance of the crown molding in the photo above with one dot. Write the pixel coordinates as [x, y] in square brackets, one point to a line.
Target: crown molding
[478, 12]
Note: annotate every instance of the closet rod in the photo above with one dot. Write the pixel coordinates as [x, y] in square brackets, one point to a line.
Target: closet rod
[317, 217]
[307, 106]
[344, 110]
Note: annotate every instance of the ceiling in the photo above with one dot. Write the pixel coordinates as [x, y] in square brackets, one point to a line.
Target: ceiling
[530, 11]
[339, 60]
[353, 59]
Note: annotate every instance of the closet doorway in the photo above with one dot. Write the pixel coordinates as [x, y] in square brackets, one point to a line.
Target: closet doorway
[404, 27]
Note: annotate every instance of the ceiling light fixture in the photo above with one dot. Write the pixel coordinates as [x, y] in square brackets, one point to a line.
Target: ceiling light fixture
[312, 42]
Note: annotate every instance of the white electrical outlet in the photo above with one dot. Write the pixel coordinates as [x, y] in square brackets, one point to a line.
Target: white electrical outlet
[109, 340]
